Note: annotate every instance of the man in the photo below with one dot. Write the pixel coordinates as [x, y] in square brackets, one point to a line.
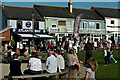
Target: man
[88, 48]
[60, 61]
[51, 63]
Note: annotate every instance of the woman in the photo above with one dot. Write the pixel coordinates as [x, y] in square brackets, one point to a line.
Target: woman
[34, 65]
[91, 69]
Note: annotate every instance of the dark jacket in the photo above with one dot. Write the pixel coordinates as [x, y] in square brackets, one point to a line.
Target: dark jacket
[15, 68]
[89, 47]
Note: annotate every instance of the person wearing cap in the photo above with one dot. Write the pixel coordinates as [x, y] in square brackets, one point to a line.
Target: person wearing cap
[51, 63]
[60, 61]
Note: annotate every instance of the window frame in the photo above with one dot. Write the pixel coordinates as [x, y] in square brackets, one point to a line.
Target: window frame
[61, 23]
[99, 25]
[54, 23]
[20, 24]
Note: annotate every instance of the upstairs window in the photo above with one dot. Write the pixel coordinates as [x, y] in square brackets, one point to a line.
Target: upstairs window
[19, 24]
[69, 25]
[85, 25]
[36, 25]
[97, 25]
[112, 21]
[41, 25]
[62, 23]
[54, 23]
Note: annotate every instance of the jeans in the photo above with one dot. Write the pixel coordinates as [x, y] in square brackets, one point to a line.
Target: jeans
[108, 57]
[32, 72]
[88, 56]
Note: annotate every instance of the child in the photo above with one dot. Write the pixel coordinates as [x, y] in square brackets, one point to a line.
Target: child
[90, 72]
[105, 54]
[111, 56]
[15, 66]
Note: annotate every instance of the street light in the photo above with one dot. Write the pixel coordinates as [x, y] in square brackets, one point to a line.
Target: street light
[33, 25]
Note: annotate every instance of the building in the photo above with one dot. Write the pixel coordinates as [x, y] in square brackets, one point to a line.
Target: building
[22, 22]
[112, 19]
[59, 21]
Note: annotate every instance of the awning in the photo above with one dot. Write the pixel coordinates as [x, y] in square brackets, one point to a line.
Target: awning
[44, 36]
[36, 36]
[26, 35]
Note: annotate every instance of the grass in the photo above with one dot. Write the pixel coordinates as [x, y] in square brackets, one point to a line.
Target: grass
[111, 71]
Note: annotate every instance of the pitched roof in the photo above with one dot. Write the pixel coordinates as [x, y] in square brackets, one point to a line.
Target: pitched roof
[87, 13]
[23, 13]
[52, 11]
[107, 12]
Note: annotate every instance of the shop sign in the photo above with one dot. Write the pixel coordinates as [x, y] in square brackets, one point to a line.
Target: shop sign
[29, 31]
[92, 23]
[28, 24]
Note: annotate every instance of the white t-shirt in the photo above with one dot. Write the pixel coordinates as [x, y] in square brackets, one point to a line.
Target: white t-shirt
[35, 64]
[95, 44]
[60, 62]
[105, 52]
[21, 46]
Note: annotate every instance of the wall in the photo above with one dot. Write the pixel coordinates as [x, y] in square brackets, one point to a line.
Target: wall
[6, 34]
[48, 23]
[13, 24]
[116, 23]
[90, 26]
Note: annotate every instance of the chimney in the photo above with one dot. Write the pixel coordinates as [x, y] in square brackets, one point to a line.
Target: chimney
[70, 6]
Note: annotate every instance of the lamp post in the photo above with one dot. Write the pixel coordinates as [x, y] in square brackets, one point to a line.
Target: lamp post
[33, 25]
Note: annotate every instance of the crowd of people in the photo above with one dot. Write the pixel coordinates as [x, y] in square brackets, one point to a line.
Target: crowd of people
[56, 61]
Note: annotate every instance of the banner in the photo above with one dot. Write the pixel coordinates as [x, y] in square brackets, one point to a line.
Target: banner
[77, 25]
[29, 31]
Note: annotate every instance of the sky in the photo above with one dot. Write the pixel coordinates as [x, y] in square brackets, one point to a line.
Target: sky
[64, 3]
[59, 0]
[86, 5]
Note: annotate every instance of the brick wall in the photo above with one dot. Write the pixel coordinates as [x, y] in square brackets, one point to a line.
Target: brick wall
[6, 34]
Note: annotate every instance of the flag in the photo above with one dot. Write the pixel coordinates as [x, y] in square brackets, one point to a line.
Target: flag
[77, 25]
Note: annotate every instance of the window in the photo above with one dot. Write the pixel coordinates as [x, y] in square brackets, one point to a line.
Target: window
[69, 25]
[19, 24]
[62, 23]
[54, 23]
[36, 25]
[112, 21]
[85, 25]
[42, 26]
[97, 25]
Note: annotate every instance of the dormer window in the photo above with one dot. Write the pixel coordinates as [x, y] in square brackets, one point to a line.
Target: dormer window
[112, 21]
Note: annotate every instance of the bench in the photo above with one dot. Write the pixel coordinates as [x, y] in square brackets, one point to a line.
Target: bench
[57, 75]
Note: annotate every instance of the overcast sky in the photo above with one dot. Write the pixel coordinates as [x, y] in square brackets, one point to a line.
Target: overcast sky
[59, 0]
